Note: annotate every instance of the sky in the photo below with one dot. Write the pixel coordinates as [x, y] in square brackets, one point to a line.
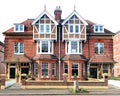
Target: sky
[104, 12]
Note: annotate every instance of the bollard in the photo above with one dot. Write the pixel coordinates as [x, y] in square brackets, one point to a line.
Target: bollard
[76, 86]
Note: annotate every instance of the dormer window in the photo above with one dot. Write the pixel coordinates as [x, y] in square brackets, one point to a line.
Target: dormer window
[98, 29]
[19, 28]
[74, 28]
[44, 28]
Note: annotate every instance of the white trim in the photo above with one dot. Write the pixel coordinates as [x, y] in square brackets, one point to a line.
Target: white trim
[49, 41]
[43, 13]
[74, 13]
[19, 25]
[98, 28]
[69, 47]
[44, 31]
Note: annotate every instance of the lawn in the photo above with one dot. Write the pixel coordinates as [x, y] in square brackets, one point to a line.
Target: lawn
[114, 78]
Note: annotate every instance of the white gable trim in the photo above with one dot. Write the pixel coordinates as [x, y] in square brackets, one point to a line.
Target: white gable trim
[44, 12]
[74, 13]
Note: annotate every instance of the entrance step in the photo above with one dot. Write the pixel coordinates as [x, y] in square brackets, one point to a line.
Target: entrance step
[15, 86]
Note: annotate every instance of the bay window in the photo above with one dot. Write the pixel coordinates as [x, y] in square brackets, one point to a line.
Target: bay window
[73, 47]
[44, 69]
[45, 47]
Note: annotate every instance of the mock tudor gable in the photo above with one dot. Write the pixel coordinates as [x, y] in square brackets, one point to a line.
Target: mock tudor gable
[44, 27]
[74, 27]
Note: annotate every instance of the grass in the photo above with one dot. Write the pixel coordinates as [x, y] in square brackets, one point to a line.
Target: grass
[114, 78]
[81, 90]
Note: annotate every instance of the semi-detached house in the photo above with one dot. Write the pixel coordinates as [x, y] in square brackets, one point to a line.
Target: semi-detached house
[47, 47]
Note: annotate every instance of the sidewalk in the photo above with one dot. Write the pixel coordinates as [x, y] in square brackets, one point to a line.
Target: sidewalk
[114, 82]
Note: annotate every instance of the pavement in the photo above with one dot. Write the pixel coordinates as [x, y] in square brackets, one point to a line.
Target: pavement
[16, 90]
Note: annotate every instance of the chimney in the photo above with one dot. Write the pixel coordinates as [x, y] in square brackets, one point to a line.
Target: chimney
[58, 13]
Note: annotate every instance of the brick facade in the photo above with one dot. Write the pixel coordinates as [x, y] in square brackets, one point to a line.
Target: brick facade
[81, 61]
[117, 54]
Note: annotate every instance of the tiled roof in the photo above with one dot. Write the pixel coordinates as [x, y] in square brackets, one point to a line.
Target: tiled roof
[90, 30]
[28, 26]
[17, 58]
[74, 57]
[101, 58]
[45, 57]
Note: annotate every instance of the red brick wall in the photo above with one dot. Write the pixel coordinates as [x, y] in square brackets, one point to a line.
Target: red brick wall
[29, 47]
[116, 47]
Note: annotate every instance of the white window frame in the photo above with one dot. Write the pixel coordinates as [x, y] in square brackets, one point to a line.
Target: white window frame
[75, 68]
[68, 47]
[54, 68]
[43, 63]
[65, 68]
[39, 45]
[19, 27]
[45, 28]
[19, 48]
[99, 46]
[74, 28]
[99, 29]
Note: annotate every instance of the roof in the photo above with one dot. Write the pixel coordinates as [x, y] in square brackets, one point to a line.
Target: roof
[74, 13]
[74, 57]
[45, 57]
[90, 30]
[43, 13]
[101, 58]
[17, 58]
[28, 26]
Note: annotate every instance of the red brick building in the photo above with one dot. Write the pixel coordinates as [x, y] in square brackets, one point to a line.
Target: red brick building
[117, 54]
[47, 47]
[2, 65]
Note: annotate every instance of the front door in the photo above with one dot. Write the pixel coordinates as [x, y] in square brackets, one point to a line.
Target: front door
[93, 72]
[12, 73]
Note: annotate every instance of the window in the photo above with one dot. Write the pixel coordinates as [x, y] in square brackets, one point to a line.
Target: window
[74, 28]
[18, 47]
[83, 69]
[75, 69]
[45, 47]
[19, 28]
[53, 69]
[44, 28]
[35, 69]
[65, 68]
[105, 68]
[44, 69]
[99, 48]
[73, 47]
[98, 28]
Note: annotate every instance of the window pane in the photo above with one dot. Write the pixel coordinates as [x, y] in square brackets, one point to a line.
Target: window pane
[80, 45]
[44, 46]
[71, 28]
[74, 69]
[66, 68]
[42, 28]
[44, 69]
[73, 47]
[96, 48]
[16, 27]
[21, 47]
[96, 28]
[101, 28]
[51, 47]
[53, 69]
[21, 27]
[101, 47]
[105, 68]
[16, 47]
[76, 28]
[47, 28]
[38, 46]
[67, 46]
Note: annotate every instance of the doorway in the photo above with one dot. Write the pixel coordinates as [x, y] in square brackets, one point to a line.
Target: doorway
[12, 73]
[93, 72]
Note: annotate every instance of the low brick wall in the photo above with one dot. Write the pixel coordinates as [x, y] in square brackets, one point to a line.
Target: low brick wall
[61, 84]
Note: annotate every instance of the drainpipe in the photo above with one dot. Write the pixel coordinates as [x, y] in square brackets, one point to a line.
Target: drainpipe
[59, 53]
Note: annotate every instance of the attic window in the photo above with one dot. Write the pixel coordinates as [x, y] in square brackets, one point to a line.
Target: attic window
[18, 27]
[98, 29]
